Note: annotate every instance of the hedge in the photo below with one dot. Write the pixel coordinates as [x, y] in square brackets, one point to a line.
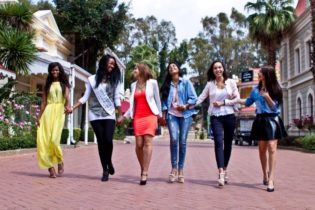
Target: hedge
[20, 142]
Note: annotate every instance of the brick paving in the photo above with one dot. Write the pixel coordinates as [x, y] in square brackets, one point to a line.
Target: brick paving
[24, 186]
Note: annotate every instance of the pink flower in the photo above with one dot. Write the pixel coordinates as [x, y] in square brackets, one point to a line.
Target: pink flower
[6, 121]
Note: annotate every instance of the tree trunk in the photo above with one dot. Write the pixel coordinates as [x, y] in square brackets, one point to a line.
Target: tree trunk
[271, 56]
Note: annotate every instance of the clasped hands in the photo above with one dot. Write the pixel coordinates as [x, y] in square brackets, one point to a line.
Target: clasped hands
[221, 103]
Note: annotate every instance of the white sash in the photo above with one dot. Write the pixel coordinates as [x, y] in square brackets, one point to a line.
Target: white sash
[102, 97]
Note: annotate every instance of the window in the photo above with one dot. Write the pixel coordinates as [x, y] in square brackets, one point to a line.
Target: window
[297, 60]
[299, 108]
[310, 105]
[308, 50]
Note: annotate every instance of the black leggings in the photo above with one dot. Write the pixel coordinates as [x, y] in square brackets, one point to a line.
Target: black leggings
[104, 131]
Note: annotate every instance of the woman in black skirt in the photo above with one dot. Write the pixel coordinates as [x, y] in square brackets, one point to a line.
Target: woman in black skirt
[267, 126]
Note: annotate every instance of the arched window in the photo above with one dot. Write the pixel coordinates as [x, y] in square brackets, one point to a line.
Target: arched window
[310, 105]
[299, 108]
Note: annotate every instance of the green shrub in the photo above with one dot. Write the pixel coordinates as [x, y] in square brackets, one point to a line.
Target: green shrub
[64, 136]
[120, 133]
[90, 135]
[76, 134]
[20, 142]
[308, 142]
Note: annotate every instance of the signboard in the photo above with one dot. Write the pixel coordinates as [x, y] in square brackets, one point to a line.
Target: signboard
[247, 76]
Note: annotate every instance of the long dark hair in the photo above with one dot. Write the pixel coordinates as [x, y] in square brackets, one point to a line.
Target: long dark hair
[166, 86]
[210, 74]
[63, 79]
[271, 83]
[113, 77]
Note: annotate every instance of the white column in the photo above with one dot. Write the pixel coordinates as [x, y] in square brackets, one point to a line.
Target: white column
[70, 116]
[86, 124]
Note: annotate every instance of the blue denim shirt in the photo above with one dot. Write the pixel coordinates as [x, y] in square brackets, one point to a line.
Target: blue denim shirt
[261, 103]
[186, 95]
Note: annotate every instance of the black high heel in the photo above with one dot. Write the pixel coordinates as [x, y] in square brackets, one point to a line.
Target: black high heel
[143, 181]
[111, 169]
[105, 176]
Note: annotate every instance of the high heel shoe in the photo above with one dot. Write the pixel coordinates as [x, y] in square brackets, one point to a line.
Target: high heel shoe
[143, 179]
[226, 178]
[270, 188]
[172, 176]
[105, 176]
[111, 169]
[52, 172]
[221, 179]
[60, 168]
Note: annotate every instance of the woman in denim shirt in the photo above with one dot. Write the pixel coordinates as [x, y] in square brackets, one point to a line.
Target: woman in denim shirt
[178, 95]
[267, 127]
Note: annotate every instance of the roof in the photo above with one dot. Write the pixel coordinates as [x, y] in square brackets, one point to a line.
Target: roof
[47, 18]
[301, 6]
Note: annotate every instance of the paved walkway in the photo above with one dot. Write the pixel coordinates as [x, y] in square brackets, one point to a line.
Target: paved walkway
[24, 186]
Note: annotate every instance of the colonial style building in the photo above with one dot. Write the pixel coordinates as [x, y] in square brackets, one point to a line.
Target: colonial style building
[295, 65]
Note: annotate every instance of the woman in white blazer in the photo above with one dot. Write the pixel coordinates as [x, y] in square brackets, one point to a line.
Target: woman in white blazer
[145, 108]
[223, 95]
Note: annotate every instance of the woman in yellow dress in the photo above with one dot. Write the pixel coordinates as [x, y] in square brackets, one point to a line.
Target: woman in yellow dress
[55, 103]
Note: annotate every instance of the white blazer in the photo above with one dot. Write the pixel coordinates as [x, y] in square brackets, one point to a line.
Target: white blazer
[210, 91]
[152, 95]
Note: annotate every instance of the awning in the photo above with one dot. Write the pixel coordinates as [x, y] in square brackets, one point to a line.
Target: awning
[6, 73]
[40, 66]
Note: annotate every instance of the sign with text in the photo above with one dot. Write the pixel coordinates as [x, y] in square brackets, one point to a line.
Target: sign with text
[247, 76]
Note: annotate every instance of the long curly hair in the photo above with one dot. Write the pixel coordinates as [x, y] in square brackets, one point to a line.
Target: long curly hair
[113, 77]
[166, 86]
[272, 85]
[210, 73]
[63, 79]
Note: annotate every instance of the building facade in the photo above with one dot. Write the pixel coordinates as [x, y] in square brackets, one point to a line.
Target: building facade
[295, 65]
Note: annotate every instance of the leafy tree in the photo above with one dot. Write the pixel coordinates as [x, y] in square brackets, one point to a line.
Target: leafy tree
[17, 50]
[148, 31]
[224, 38]
[92, 25]
[142, 54]
[268, 25]
[44, 5]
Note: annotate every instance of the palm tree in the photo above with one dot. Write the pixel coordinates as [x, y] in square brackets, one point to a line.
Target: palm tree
[270, 22]
[17, 50]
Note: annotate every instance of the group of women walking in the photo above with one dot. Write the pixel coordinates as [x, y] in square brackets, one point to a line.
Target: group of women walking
[175, 109]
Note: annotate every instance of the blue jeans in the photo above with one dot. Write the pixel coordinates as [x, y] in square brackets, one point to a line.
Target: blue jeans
[223, 131]
[178, 128]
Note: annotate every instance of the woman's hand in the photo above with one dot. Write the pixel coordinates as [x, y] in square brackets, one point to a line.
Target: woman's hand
[162, 121]
[181, 108]
[264, 93]
[218, 103]
[68, 110]
[120, 119]
[38, 121]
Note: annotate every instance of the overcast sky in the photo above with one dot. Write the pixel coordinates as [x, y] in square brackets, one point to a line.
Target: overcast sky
[185, 14]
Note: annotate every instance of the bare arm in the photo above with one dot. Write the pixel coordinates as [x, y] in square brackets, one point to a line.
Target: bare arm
[42, 107]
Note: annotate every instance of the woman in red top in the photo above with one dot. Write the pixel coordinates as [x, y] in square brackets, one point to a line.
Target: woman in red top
[145, 107]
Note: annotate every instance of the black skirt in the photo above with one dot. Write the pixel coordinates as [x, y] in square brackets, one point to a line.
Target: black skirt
[268, 127]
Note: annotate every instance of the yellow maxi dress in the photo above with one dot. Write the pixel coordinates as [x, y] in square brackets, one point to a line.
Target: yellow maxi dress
[49, 152]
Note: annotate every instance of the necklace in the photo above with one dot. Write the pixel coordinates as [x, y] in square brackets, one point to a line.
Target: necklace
[140, 87]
